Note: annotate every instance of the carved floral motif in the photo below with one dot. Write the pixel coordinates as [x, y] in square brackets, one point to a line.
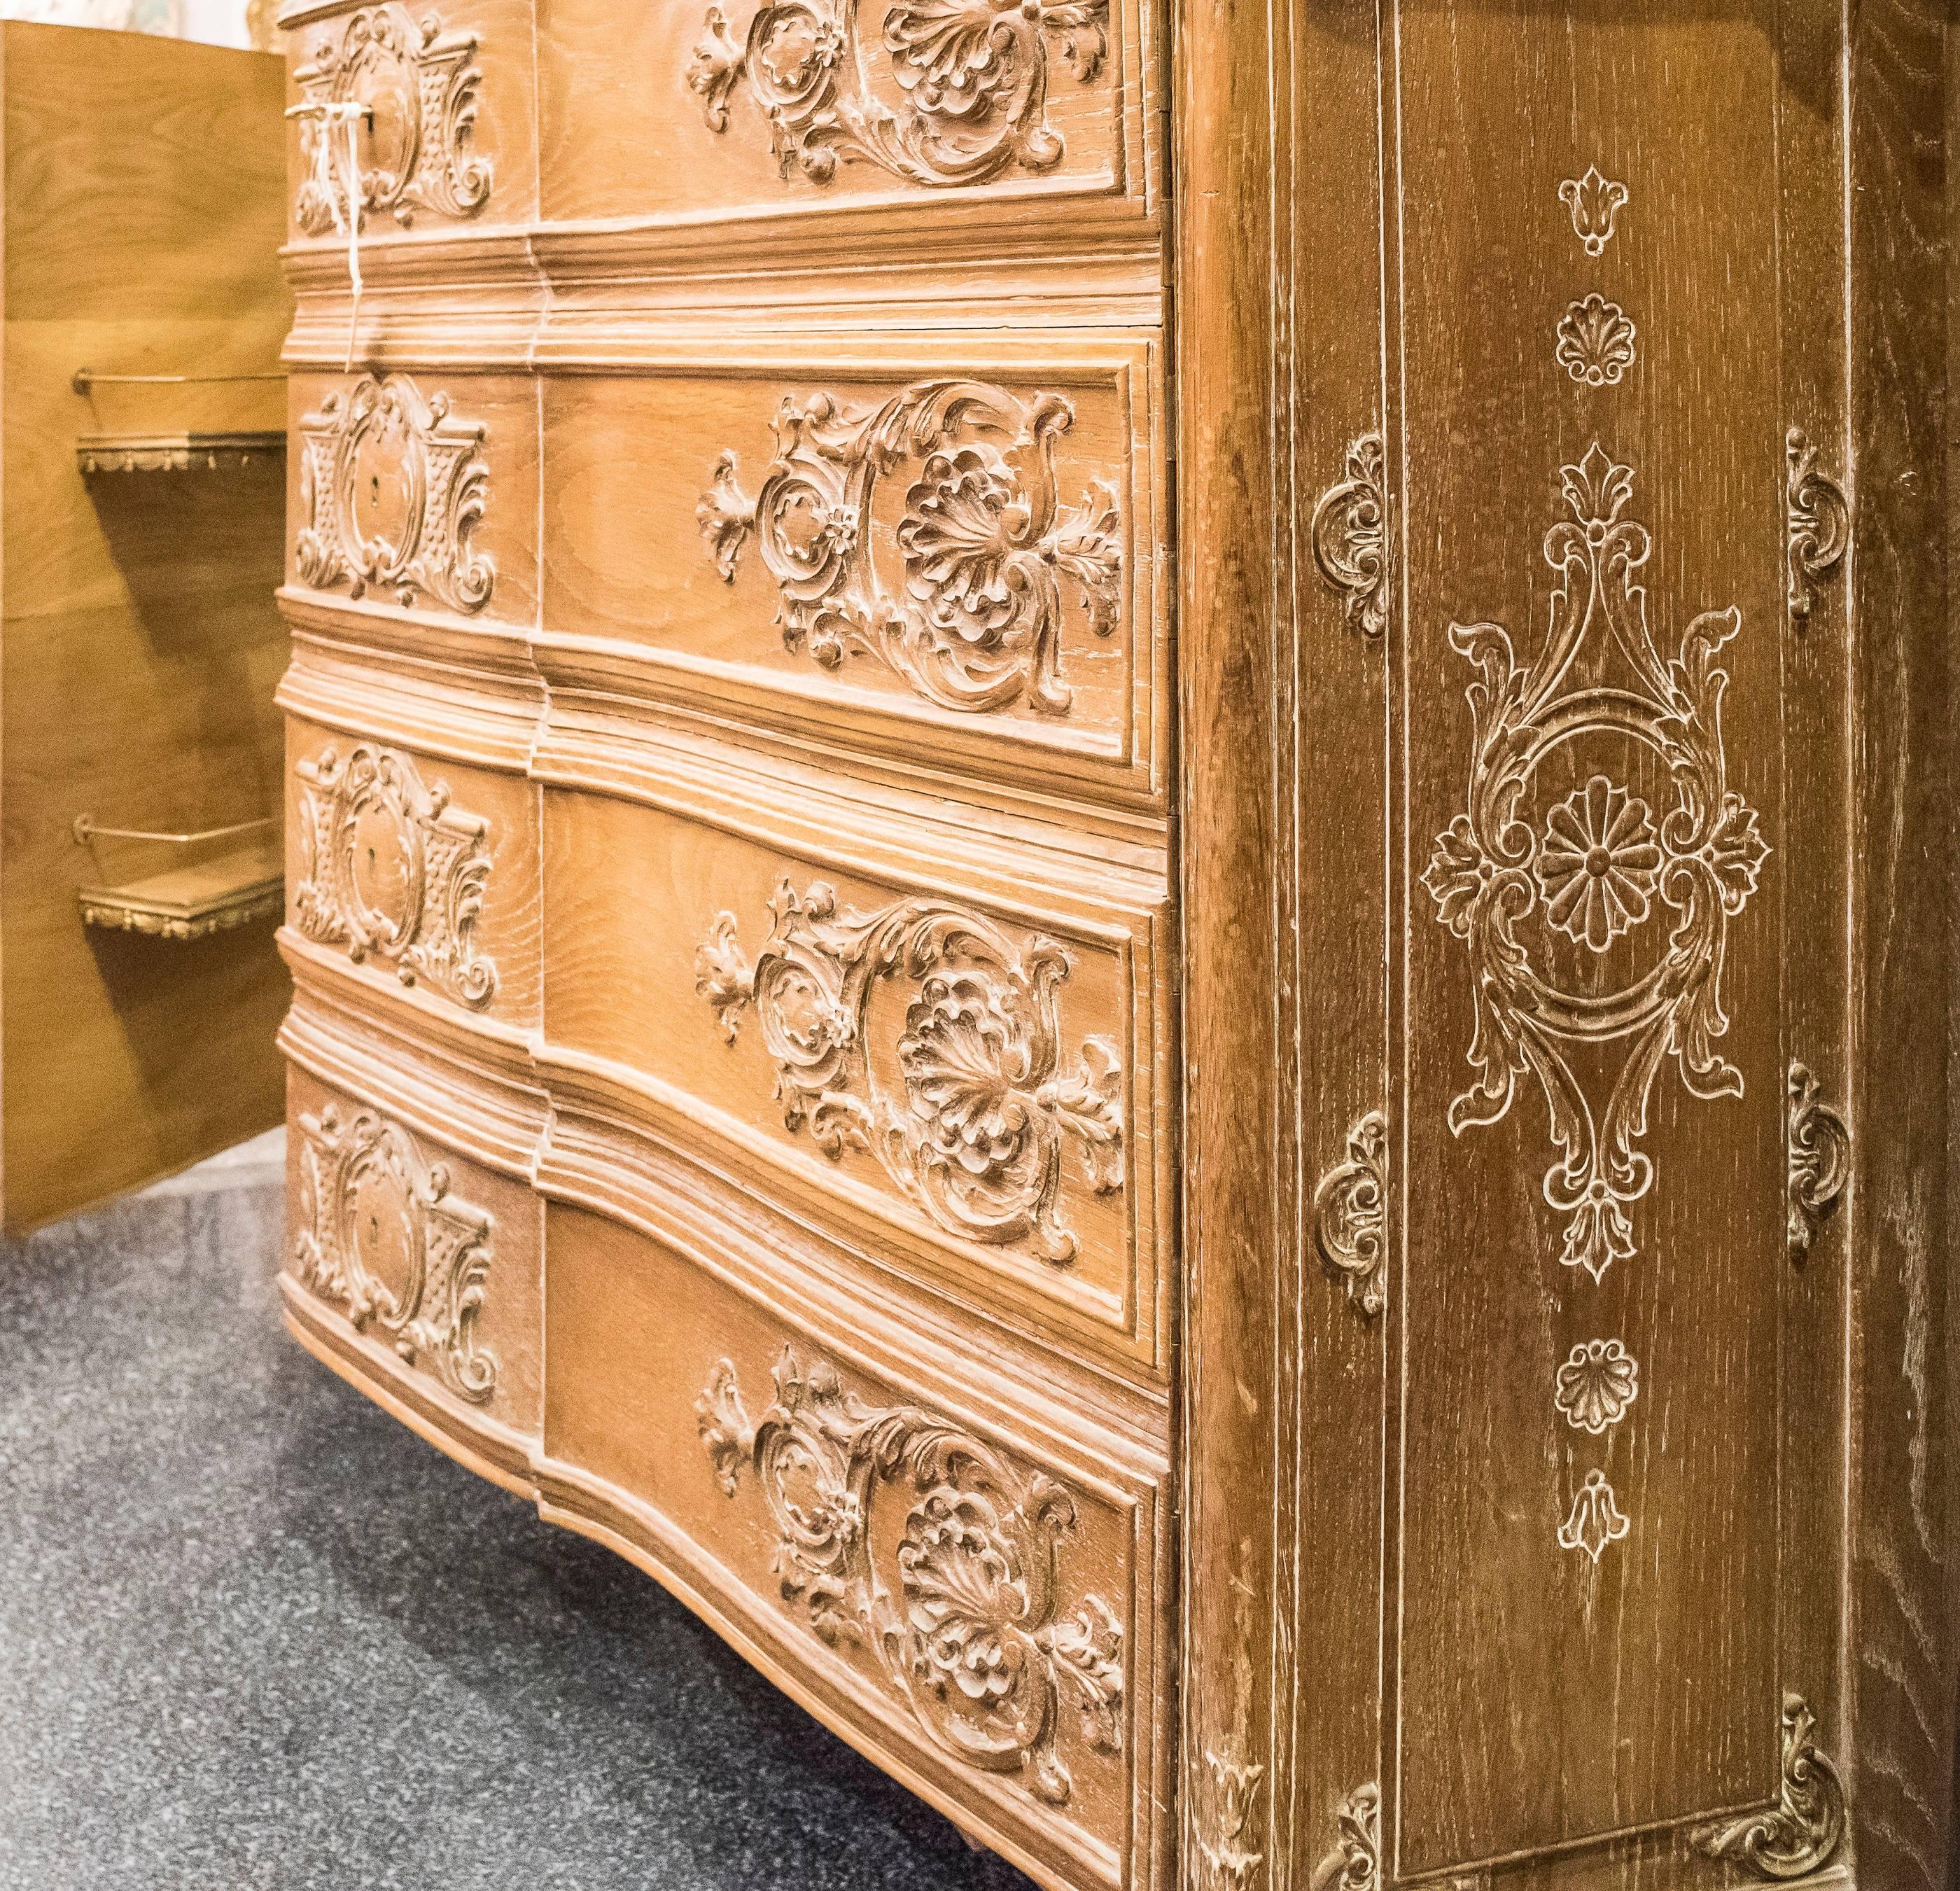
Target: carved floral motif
[1350, 1215]
[1595, 201]
[971, 78]
[1600, 1379]
[1350, 536]
[975, 1134]
[1355, 1862]
[1820, 1158]
[1596, 342]
[1820, 524]
[368, 1208]
[1491, 872]
[959, 1607]
[417, 87]
[1595, 1520]
[390, 868]
[1228, 1852]
[1801, 1832]
[391, 489]
[976, 621]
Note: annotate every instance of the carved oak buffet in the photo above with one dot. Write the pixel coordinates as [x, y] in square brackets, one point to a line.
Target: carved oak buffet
[1312, 1253]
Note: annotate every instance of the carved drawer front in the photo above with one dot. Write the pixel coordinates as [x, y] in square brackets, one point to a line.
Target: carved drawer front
[962, 1091]
[414, 1265]
[942, 554]
[418, 876]
[414, 119]
[415, 490]
[691, 108]
[975, 1601]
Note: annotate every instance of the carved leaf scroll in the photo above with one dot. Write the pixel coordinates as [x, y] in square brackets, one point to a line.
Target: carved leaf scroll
[975, 622]
[392, 488]
[969, 81]
[1819, 522]
[419, 85]
[1350, 1215]
[1354, 1864]
[1801, 1832]
[985, 1103]
[369, 1206]
[391, 869]
[1350, 536]
[1603, 864]
[960, 1604]
[1820, 1158]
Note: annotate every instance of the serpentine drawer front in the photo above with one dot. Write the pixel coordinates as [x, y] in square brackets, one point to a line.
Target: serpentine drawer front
[1162, 981]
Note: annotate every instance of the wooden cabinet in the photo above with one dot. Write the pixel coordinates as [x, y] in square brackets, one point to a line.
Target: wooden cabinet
[1120, 867]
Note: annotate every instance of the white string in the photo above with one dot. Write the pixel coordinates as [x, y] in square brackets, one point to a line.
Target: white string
[349, 114]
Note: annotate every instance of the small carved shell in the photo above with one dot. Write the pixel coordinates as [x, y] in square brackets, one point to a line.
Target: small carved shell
[1596, 342]
[1596, 1384]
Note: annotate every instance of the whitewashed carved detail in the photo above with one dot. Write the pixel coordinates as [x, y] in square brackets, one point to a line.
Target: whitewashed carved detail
[1595, 1521]
[1350, 1215]
[1354, 1862]
[1820, 1158]
[1596, 342]
[1599, 1381]
[1596, 201]
[1229, 1846]
[1819, 524]
[1801, 1832]
[1349, 536]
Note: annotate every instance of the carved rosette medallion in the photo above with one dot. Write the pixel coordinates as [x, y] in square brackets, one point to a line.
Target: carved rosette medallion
[974, 1135]
[959, 1605]
[1350, 536]
[1602, 864]
[1229, 1850]
[1596, 342]
[968, 92]
[378, 1231]
[1354, 1864]
[416, 86]
[1350, 1215]
[1800, 1832]
[1820, 525]
[1600, 1379]
[392, 488]
[1595, 201]
[1820, 1158]
[1594, 1520]
[974, 621]
[391, 869]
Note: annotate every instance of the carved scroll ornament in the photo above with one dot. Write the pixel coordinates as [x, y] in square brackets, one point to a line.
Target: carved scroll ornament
[1350, 536]
[365, 1190]
[391, 488]
[974, 623]
[1350, 1215]
[1355, 1862]
[391, 869]
[1819, 522]
[959, 1605]
[1801, 1832]
[975, 1135]
[971, 77]
[1601, 863]
[1820, 1158]
[418, 87]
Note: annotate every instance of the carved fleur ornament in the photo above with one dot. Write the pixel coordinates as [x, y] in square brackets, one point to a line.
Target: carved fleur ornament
[1602, 861]
[1596, 201]
[973, 620]
[1801, 1832]
[1232, 1835]
[392, 487]
[391, 869]
[1595, 1520]
[377, 1230]
[959, 1604]
[984, 1104]
[416, 86]
[967, 83]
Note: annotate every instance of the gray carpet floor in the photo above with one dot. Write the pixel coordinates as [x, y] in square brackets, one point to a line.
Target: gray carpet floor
[253, 1634]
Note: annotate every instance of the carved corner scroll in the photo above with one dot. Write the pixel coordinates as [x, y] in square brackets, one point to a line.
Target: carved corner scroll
[1801, 1832]
[390, 868]
[975, 623]
[1820, 525]
[975, 1136]
[960, 1604]
[391, 488]
[1597, 865]
[1350, 536]
[972, 83]
[417, 88]
[369, 1207]
[1350, 1215]
[1354, 1864]
[1820, 1158]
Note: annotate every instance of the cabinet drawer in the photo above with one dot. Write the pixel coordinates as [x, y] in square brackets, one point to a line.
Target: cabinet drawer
[974, 1597]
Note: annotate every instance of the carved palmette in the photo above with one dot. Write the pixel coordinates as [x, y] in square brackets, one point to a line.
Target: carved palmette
[425, 924]
[964, 1615]
[362, 1179]
[419, 86]
[437, 485]
[975, 622]
[976, 1137]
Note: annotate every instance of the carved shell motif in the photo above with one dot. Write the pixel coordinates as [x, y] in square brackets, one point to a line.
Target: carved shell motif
[987, 1102]
[1596, 342]
[969, 78]
[974, 623]
[960, 1604]
[1599, 1381]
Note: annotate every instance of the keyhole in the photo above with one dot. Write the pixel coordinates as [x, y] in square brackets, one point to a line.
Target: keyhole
[374, 490]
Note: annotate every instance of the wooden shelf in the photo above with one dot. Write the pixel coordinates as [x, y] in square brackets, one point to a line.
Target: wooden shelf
[234, 888]
[174, 452]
